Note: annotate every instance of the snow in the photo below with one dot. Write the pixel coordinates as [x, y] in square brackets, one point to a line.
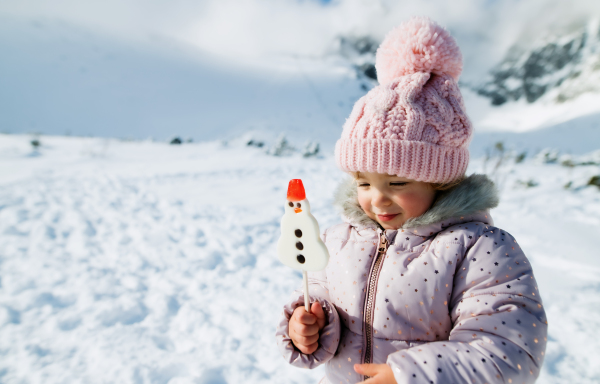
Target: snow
[60, 78]
[211, 70]
[124, 259]
[520, 116]
[143, 262]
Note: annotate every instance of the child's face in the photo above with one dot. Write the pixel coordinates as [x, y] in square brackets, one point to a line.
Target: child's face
[391, 200]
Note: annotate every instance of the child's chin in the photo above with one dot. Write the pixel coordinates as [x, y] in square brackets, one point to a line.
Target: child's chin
[392, 224]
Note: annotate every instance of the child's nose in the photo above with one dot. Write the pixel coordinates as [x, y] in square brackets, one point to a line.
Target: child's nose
[381, 200]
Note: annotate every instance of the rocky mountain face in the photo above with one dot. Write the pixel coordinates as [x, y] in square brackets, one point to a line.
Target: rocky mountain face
[360, 52]
[562, 67]
[559, 67]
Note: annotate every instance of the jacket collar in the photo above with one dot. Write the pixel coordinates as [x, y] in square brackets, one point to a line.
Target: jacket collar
[470, 200]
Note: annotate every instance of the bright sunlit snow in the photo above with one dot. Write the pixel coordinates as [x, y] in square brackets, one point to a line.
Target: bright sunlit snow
[143, 262]
[124, 259]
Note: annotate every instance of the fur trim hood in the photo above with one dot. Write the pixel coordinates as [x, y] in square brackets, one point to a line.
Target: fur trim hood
[474, 194]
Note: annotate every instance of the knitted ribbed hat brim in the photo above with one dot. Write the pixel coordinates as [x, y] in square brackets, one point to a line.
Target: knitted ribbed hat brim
[410, 159]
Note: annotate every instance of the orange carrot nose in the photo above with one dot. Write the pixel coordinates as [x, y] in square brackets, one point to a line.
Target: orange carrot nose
[295, 190]
[297, 210]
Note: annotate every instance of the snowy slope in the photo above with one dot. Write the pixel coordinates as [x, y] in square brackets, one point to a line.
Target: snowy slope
[140, 262]
[61, 78]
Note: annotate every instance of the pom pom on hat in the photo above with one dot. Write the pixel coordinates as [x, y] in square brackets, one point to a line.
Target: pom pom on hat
[414, 123]
[419, 45]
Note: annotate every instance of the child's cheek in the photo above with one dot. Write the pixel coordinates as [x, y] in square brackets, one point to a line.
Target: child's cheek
[415, 204]
[364, 200]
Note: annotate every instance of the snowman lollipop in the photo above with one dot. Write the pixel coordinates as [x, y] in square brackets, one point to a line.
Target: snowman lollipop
[300, 244]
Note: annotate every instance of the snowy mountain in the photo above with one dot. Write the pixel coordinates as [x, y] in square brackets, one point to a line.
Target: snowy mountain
[60, 77]
[543, 94]
[360, 52]
[561, 67]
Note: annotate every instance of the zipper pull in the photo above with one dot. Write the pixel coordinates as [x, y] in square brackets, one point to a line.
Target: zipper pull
[383, 243]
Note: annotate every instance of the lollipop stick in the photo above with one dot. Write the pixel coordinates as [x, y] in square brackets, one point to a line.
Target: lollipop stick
[306, 300]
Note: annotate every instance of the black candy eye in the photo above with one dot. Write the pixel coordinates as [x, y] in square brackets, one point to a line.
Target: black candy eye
[291, 204]
[298, 205]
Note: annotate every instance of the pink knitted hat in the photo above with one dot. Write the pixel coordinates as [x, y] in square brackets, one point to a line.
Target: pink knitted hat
[414, 123]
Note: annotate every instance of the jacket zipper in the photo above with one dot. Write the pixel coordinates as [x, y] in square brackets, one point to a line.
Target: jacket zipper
[370, 299]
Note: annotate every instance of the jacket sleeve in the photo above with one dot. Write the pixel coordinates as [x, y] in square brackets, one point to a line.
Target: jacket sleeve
[329, 336]
[499, 325]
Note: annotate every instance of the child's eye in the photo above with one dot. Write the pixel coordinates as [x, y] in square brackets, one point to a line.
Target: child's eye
[398, 184]
[363, 184]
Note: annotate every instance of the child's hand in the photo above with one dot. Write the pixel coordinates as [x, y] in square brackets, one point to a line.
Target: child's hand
[305, 327]
[378, 373]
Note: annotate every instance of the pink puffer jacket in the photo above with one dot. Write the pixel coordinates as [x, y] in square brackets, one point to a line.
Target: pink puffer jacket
[449, 298]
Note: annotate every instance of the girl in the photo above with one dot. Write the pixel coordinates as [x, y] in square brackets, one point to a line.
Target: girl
[420, 286]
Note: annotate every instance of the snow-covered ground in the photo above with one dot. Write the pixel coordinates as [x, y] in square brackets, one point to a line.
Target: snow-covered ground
[142, 262]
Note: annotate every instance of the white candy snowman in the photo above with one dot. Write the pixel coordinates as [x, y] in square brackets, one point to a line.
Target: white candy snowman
[300, 244]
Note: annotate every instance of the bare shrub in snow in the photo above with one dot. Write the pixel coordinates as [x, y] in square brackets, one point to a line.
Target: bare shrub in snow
[594, 180]
[527, 184]
[587, 159]
[590, 159]
[520, 157]
[255, 143]
[567, 161]
[281, 147]
[495, 161]
[495, 157]
[311, 149]
[547, 156]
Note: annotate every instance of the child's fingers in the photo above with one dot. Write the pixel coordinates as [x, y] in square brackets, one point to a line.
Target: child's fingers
[370, 380]
[307, 349]
[367, 369]
[317, 311]
[298, 312]
[306, 340]
[305, 317]
[378, 373]
[306, 330]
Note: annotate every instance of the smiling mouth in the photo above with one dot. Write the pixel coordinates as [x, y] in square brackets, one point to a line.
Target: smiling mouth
[387, 217]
